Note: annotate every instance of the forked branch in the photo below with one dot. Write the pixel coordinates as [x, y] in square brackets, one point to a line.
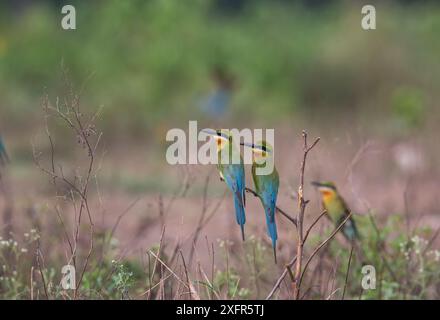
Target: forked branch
[302, 203]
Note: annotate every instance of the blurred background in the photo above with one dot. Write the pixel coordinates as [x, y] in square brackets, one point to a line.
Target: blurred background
[372, 96]
[159, 62]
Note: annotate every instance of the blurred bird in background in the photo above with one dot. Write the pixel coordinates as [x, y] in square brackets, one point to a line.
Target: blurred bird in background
[217, 103]
[231, 173]
[266, 186]
[337, 209]
[3, 154]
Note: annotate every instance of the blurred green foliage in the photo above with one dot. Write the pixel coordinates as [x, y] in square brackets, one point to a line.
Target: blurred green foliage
[152, 61]
[409, 107]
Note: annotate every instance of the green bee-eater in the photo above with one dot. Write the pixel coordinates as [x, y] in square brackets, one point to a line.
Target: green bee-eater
[231, 169]
[337, 209]
[266, 185]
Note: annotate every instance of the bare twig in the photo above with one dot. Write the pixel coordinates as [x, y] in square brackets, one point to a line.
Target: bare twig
[348, 270]
[192, 292]
[159, 252]
[302, 203]
[324, 243]
[293, 260]
[381, 248]
[69, 112]
[169, 269]
[40, 269]
[123, 213]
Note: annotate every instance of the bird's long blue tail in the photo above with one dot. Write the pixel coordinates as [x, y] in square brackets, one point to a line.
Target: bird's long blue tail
[272, 232]
[350, 231]
[240, 213]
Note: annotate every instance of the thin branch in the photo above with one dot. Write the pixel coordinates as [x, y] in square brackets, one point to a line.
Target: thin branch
[324, 243]
[169, 269]
[348, 271]
[293, 260]
[302, 203]
[192, 291]
[40, 269]
[72, 117]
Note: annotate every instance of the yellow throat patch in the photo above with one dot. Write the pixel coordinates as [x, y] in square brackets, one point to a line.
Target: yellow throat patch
[328, 196]
[220, 142]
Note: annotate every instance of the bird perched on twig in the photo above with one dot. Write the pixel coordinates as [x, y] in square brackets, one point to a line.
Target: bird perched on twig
[266, 185]
[337, 209]
[231, 169]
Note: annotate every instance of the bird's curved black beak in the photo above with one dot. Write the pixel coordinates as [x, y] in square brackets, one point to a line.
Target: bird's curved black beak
[250, 145]
[211, 132]
[316, 184]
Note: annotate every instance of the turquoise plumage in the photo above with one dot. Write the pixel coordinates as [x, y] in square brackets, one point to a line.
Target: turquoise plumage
[266, 187]
[233, 175]
[230, 172]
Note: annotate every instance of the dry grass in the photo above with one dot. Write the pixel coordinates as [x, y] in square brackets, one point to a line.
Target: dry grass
[184, 244]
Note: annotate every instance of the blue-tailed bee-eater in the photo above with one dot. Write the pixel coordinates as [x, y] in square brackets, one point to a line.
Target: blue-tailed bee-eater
[231, 169]
[337, 209]
[266, 185]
